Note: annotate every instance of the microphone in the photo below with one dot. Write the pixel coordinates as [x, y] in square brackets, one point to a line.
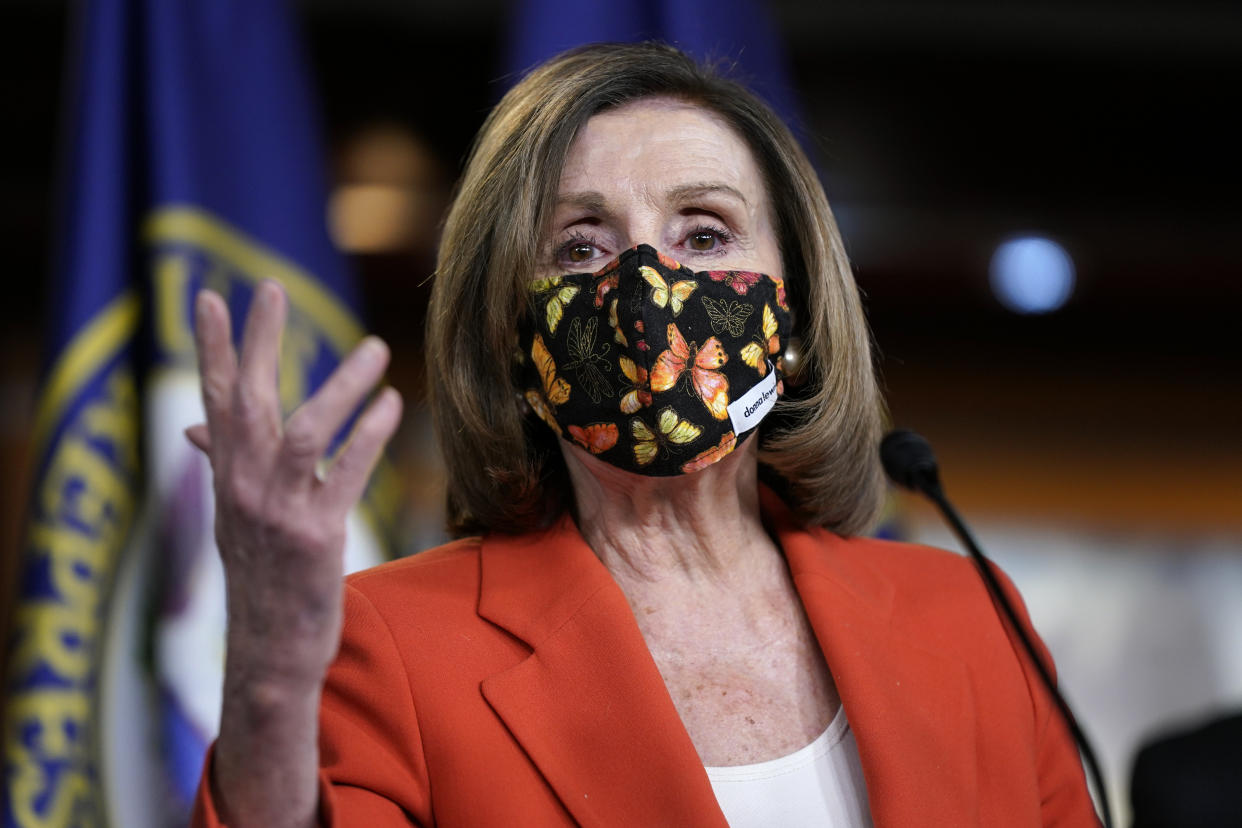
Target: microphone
[909, 461]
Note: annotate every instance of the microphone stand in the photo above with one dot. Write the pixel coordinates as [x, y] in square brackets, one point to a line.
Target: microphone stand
[919, 472]
[993, 585]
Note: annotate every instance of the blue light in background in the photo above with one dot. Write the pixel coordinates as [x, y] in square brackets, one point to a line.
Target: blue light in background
[1032, 274]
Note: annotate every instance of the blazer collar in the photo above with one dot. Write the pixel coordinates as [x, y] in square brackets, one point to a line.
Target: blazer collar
[905, 702]
[588, 705]
[590, 708]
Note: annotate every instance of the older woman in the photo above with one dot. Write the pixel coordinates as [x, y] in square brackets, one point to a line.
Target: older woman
[639, 631]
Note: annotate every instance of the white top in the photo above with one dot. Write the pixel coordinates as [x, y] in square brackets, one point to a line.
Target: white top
[820, 784]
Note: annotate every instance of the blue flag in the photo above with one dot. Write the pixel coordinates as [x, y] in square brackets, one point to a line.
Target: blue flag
[191, 161]
[737, 36]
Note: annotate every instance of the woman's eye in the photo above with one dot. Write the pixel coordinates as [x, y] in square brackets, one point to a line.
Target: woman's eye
[705, 240]
[579, 252]
[578, 249]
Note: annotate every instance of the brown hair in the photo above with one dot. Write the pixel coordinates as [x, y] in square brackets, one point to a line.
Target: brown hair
[504, 469]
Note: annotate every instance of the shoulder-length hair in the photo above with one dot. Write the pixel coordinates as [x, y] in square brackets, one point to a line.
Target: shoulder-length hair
[505, 471]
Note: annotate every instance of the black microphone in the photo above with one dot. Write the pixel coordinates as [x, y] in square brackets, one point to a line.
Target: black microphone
[908, 459]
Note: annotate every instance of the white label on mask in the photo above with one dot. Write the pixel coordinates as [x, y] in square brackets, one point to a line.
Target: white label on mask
[747, 410]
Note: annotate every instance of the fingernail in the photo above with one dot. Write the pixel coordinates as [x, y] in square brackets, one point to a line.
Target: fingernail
[271, 290]
[200, 306]
[372, 348]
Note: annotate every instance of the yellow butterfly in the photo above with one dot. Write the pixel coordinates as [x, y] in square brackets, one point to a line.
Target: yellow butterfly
[558, 296]
[555, 389]
[616, 324]
[756, 353]
[670, 431]
[666, 296]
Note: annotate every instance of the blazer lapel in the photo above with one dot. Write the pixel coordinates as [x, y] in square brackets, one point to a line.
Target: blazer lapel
[910, 708]
[588, 705]
[591, 711]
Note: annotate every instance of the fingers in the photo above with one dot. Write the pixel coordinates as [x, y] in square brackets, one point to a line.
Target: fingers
[312, 426]
[257, 401]
[241, 398]
[348, 477]
[217, 362]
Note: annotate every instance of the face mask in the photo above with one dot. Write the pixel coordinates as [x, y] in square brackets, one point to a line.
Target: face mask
[652, 367]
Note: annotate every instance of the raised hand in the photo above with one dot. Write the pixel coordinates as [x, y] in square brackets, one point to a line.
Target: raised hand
[280, 528]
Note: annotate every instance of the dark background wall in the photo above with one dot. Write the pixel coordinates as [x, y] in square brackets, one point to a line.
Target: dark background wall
[941, 129]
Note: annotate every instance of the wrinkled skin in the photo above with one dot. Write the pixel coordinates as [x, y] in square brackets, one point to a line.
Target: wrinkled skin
[280, 529]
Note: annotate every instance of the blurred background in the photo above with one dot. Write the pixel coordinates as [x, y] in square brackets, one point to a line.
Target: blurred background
[1082, 385]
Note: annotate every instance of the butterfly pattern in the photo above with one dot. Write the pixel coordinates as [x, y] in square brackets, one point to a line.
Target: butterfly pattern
[556, 294]
[602, 286]
[540, 406]
[663, 295]
[740, 280]
[641, 369]
[586, 362]
[756, 353]
[714, 454]
[727, 316]
[596, 437]
[780, 292]
[698, 364]
[638, 393]
[671, 432]
[555, 389]
[615, 324]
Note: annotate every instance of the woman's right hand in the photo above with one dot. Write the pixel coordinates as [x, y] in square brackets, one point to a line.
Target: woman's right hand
[280, 528]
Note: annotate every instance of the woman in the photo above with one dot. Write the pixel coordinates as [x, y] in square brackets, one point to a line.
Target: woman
[644, 634]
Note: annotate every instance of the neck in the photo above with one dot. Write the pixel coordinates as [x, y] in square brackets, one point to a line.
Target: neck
[701, 529]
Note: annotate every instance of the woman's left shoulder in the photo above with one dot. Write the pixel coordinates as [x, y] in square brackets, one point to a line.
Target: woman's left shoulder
[902, 561]
[892, 563]
[931, 588]
[902, 550]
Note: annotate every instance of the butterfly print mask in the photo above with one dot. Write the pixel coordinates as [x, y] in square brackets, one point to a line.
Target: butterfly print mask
[650, 366]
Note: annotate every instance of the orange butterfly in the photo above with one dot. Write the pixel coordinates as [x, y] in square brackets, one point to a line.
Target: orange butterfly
[555, 389]
[596, 437]
[712, 387]
[740, 280]
[604, 285]
[780, 291]
[639, 394]
[756, 353]
[704, 459]
[608, 268]
[540, 407]
[668, 261]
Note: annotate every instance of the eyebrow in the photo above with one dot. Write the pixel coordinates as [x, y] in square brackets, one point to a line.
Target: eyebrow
[593, 201]
[690, 192]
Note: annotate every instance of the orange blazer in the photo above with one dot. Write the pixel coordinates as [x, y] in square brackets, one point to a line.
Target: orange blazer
[503, 681]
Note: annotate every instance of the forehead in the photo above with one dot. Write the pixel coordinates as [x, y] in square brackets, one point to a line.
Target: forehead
[658, 144]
